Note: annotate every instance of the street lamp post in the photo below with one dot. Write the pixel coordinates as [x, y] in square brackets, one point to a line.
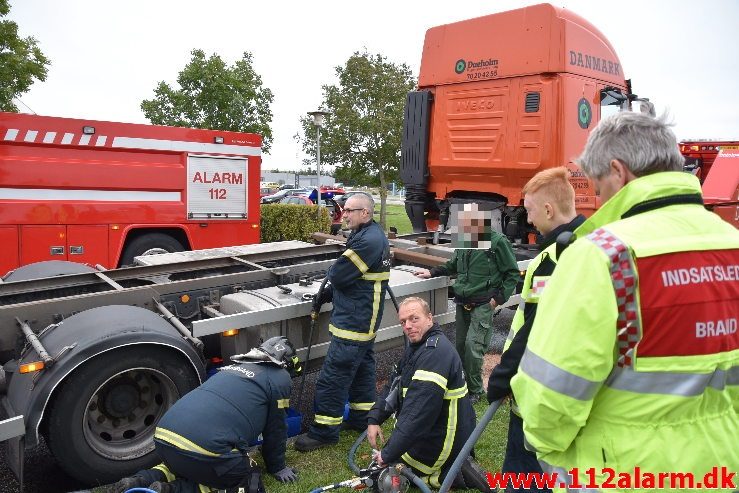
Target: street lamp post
[318, 118]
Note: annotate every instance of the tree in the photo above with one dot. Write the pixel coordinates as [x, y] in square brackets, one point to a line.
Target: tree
[21, 61]
[362, 135]
[214, 95]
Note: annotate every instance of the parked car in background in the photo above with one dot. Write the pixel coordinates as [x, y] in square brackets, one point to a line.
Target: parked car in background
[334, 209]
[264, 191]
[341, 199]
[277, 196]
[332, 189]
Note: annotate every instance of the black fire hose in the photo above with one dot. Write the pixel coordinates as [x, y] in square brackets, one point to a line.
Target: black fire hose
[315, 311]
[392, 298]
[467, 447]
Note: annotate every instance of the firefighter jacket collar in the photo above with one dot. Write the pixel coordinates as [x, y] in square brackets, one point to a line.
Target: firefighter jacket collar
[645, 188]
[361, 227]
[551, 237]
[434, 330]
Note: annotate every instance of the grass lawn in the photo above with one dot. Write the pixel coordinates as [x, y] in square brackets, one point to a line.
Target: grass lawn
[396, 217]
[329, 465]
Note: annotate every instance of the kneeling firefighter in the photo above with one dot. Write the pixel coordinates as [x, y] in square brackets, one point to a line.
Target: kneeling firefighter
[203, 438]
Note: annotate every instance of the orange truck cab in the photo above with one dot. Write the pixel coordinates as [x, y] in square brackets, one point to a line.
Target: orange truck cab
[499, 99]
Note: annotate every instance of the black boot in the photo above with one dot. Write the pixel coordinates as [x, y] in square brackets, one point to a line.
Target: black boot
[124, 484]
[474, 476]
[305, 443]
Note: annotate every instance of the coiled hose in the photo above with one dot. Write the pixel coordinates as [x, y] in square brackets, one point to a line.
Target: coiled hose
[407, 471]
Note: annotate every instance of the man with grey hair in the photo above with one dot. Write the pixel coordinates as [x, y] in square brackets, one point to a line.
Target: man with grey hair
[357, 285]
[634, 352]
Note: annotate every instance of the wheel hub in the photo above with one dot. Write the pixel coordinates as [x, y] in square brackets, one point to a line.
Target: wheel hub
[120, 400]
[123, 412]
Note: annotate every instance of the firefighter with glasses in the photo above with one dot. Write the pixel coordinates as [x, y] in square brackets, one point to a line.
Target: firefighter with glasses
[357, 285]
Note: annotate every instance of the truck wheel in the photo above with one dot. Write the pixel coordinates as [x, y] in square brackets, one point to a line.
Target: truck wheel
[150, 244]
[101, 426]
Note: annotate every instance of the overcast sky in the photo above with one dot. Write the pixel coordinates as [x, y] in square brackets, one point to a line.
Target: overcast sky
[107, 56]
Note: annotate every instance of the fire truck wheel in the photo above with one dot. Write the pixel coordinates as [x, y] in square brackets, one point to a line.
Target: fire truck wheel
[102, 424]
[150, 244]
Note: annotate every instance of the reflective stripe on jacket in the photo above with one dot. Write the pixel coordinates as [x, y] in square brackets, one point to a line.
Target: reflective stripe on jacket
[538, 273]
[632, 356]
[229, 411]
[435, 416]
[359, 280]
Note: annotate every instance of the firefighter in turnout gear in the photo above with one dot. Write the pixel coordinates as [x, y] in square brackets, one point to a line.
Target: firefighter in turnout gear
[549, 200]
[428, 394]
[203, 438]
[485, 278]
[633, 359]
[357, 285]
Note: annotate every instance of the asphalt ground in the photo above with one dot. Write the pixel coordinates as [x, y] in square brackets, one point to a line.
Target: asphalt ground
[43, 475]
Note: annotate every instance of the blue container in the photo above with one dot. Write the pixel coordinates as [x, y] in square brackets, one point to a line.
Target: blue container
[294, 422]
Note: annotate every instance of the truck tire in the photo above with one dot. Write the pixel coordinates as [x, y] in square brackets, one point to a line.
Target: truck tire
[47, 268]
[150, 244]
[101, 425]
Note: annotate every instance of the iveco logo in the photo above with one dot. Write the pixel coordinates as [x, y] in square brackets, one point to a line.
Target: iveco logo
[460, 66]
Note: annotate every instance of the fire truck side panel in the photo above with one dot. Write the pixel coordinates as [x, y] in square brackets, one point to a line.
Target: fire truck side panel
[43, 242]
[11, 251]
[122, 179]
[721, 187]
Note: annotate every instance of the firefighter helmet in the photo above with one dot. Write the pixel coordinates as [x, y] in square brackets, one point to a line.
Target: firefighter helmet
[278, 350]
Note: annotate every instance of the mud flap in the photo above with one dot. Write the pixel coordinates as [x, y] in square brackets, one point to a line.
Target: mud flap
[14, 451]
[13, 431]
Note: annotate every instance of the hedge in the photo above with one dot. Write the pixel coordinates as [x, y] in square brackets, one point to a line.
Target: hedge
[282, 222]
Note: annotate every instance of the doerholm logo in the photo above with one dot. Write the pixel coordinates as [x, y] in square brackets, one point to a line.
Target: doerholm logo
[460, 66]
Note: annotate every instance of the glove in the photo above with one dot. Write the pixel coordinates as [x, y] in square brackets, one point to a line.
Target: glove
[286, 475]
[326, 297]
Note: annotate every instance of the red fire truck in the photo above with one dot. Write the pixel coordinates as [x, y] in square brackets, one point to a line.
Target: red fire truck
[700, 154]
[102, 193]
[716, 164]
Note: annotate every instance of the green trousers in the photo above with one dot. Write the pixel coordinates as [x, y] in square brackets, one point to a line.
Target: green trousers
[474, 331]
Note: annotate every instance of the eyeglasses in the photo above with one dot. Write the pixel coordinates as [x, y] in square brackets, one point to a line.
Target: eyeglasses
[347, 211]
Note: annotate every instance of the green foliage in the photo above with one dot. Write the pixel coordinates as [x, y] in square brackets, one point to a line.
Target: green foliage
[362, 135]
[21, 61]
[214, 95]
[281, 222]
